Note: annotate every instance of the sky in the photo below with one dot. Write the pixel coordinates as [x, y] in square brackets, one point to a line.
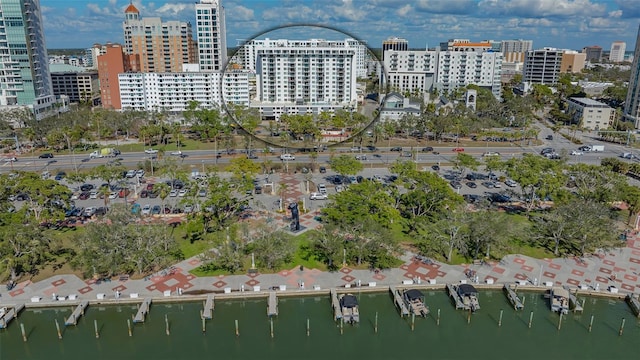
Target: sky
[570, 24]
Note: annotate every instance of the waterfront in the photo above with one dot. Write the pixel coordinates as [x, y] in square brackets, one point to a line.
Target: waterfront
[454, 338]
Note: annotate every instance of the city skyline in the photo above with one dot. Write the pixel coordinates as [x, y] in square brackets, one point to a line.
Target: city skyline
[569, 24]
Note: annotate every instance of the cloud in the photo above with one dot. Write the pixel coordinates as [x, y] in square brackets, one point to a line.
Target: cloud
[629, 8]
[459, 7]
[403, 11]
[173, 10]
[543, 8]
[239, 13]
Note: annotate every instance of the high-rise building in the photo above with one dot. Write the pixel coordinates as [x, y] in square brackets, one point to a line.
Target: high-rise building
[394, 43]
[246, 55]
[162, 46]
[78, 86]
[112, 63]
[617, 51]
[24, 66]
[427, 70]
[542, 66]
[594, 53]
[572, 61]
[212, 35]
[514, 50]
[632, 103]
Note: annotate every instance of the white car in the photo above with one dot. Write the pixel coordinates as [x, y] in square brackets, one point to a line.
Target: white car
[510, 183]
[287, 157]
[173, 193]
[361, 157]
[176, 153]
[322, 188]
[113, 195]
[146, 209]
[318, 196]
[151, 151]
[497, 184]
[339, 188]
[93, 195]
[75, 196]
[140, 173]
[182, 192]
[577, 153]
[130, 174]
[11, 159]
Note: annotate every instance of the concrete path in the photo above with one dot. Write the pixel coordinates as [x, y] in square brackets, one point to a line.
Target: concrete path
[619, 268]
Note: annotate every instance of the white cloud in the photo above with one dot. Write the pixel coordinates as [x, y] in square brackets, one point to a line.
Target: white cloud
[240, 13]
[403, 11]
[172, 10]
[448, 7]
[542, 8]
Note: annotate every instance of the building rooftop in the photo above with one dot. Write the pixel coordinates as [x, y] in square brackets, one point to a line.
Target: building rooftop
[131, 9]
[66, 68]
[588, 102]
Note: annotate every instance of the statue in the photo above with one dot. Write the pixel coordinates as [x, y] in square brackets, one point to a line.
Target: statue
[295, 216]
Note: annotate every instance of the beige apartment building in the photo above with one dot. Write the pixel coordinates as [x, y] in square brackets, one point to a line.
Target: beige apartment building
[572, 62]
[590, 114]
[162, 46]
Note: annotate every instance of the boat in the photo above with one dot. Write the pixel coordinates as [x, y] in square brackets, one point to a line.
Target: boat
[349, 308]
[414, 300]
[469, 296]
[559, 300]
[3, 310]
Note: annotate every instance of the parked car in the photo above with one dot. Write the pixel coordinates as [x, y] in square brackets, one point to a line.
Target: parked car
[549, 137]
[435, 167]
[60, 175]
[182, 192]
[46, 156]
[113, 195]
[510, 183]
[323, 169]
[488, 184]
[124, 192]
[130, 174]
[89, 212]
[140, 173]
[202, 193]
[322, 188]
[86, 187]
[173, 193]
[472, 185]
[318, 196]
[144, 193]
[93, 195]
[146, 209]
[455, 184]
[84, 195]
[156, 209]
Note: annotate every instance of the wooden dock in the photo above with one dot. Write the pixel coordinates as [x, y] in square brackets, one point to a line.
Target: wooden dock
[143, 310]
[513, 297]
[453, 293]
[335, 304]
[76, 314]
[573, 300]
[634, 303]
[272, 306]
[397, 299]
[209, 305]
[10, 315]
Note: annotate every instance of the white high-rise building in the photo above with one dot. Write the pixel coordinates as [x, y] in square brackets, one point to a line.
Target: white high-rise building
[632, 103]
[212, 35]
[246, 55]
[420, 71]
[542, 66]
[617, 51]
[293, 79]
[24, 65]
[172, 92]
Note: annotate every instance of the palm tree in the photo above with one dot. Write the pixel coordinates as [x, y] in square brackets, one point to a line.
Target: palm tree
[282, 188]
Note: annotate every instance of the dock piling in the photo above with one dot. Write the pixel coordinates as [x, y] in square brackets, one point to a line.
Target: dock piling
[438, 319]
[271, 324]
[413, 321]
[24, 334]
[95, 326]
[308, 328]
[341, 326]
[530, 319]
[204, 325]
[560, 321]
[129, 327]
[237, 329]
[621, 327]
[58, 328]
[375, 326]
[500, 320]
[591, 323]
[166, 324]
[469, 317]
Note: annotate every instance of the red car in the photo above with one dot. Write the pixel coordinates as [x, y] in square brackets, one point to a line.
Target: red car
[150, 187]
[458, 149]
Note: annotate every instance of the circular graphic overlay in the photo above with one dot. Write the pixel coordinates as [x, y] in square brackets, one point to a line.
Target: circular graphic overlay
[310, 87]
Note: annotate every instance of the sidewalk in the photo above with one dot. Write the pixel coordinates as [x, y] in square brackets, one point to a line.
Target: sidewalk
[619, 268]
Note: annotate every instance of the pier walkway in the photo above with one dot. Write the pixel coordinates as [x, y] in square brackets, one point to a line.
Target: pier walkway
[453, 293]
[513, 297]
[77, 313]
[575, 304]
[397, 299]
[634, 304]
[209, 305]
[142, 311]
[272, 307]
[335, 304]
[10, 315]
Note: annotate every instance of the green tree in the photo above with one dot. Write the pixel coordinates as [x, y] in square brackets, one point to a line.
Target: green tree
[465, 161]
[345, 165]
[448, 233]
[538, 177]
[25, 248]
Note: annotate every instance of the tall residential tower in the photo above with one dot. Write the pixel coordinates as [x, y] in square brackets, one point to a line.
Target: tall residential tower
[212, 36]
[632, 103]
[24, 67]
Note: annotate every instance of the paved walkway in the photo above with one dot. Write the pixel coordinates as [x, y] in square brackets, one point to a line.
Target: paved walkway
[619, 268]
